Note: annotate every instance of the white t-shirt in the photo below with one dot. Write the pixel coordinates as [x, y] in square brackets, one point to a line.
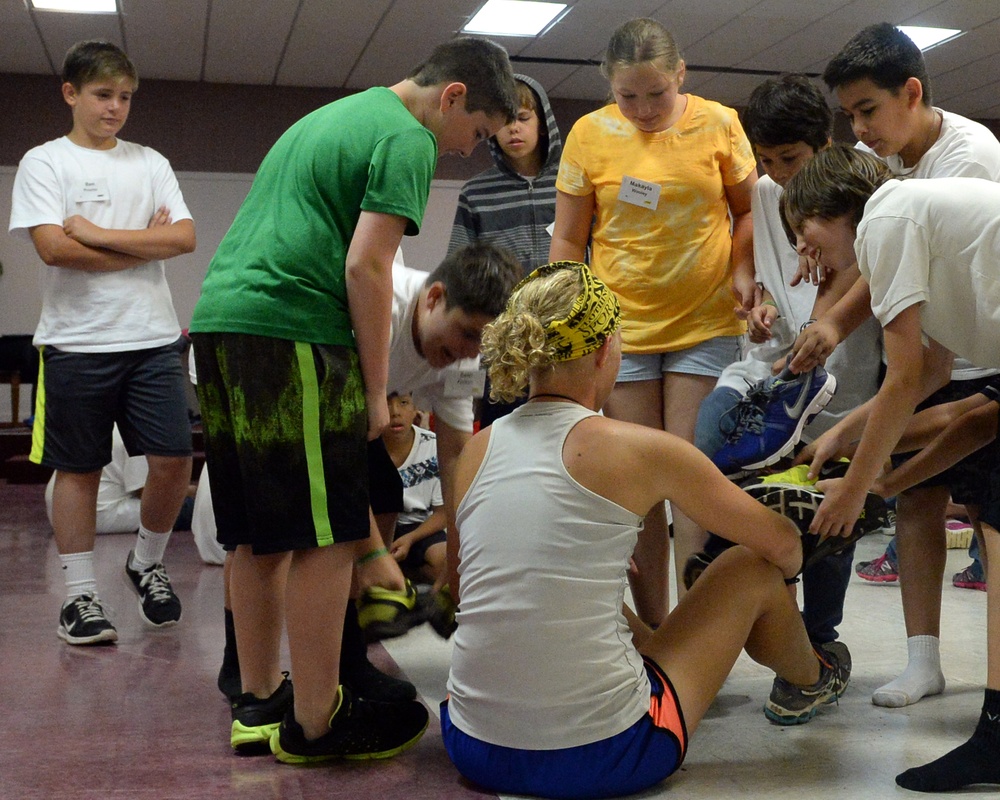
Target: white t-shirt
[447, 392]
[121, 188]
[421, 479]
[937, 243]
[855, 363]
[964, 149]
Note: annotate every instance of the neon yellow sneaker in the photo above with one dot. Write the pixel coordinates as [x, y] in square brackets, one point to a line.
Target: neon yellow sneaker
[387, 613]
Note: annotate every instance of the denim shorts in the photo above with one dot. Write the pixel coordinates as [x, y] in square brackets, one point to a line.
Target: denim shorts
[705, 358]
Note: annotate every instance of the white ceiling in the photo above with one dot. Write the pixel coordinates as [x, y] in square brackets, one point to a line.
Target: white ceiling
[359, 43]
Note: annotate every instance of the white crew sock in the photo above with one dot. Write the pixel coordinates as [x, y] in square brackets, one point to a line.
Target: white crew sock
[922, 676]
[78, 572]
[149, 549]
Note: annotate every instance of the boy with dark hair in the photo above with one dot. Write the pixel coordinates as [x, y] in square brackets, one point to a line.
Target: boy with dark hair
[513, 203]
[787, 121]
[292, 342]
[102, 214]
[881, 84]
[929, 252]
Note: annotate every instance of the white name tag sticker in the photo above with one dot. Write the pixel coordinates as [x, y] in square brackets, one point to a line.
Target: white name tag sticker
[639, 193]
[465, 383]
[92, 191]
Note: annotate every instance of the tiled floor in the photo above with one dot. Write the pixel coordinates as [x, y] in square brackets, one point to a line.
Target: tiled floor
[143, 719]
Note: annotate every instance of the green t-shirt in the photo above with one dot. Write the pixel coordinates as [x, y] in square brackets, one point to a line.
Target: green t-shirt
[279, 271]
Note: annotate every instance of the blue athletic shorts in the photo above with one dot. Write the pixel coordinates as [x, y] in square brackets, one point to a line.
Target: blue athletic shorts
[705, 358]
[635, 759]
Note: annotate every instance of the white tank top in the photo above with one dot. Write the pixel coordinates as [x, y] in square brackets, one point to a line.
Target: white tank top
[543, 656]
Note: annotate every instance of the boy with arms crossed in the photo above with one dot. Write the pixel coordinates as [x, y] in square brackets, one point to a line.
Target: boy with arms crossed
[290, 395]
[102, 214]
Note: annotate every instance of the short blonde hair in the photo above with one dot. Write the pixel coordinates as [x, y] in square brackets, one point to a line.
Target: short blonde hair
[641, 41]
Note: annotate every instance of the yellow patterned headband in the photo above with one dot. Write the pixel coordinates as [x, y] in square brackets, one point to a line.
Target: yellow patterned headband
[594, 317]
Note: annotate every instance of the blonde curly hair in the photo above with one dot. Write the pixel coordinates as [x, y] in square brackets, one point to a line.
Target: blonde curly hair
[515, 343]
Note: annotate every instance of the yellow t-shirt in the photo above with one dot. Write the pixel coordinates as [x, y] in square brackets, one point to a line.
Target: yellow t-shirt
[669, 265]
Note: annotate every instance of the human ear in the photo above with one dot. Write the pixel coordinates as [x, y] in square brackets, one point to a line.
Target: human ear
[451, 94]
[69, 93]
[914, 92]
[435, 294]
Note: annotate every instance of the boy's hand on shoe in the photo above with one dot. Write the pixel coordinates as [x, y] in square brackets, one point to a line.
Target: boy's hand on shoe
[813, 347]
[839, 510]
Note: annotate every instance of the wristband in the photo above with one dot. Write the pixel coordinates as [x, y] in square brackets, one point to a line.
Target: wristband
[806, 324]
[791, 581]
[769, 303]
[371, 556]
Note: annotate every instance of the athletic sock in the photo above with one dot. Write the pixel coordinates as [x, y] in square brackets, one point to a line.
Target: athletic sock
[149, 549]
[976, 761]
[229, 681]
[78, 572]
[922, 676]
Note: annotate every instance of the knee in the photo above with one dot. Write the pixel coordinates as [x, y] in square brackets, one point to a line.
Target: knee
[741, 566]
[169, 468]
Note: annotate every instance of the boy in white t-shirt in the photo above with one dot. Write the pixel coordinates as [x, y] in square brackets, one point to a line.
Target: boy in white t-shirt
[788, 121]
[929, 252]
[103, 214]
[881, 83]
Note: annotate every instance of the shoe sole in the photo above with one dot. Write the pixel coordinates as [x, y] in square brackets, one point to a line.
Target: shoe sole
[109, 636]
[819, 402]
[878, 578]
[960, 539]
[291, 758]
[142, 612]
[252, 741]
[976, 585]
[773, 713]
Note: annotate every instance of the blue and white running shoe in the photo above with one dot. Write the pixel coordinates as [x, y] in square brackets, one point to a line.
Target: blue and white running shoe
[771, 417]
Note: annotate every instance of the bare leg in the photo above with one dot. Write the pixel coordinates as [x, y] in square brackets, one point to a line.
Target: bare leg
[975, 761]
[739, 602]
[318, 585]
[257, 592]
[682, 396]
[74, 511]
[165, 490]
[386, 524]
[383, 571]
[641, 402]
[920, 542]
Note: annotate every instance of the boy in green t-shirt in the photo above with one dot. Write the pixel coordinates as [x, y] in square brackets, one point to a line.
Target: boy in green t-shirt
[291, 341]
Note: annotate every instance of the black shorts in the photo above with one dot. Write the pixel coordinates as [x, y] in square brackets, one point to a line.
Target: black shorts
[385, 486]
[82, 395]
[285, 427]
[417, 557]
[968, 479]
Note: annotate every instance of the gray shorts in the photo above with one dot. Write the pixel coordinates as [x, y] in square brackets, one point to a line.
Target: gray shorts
[82, 395]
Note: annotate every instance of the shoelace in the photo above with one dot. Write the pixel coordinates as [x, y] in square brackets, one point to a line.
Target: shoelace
[157, 584]
[750, 409]
[88, 609]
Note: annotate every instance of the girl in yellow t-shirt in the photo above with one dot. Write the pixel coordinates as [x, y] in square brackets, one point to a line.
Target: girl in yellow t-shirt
[659, 184]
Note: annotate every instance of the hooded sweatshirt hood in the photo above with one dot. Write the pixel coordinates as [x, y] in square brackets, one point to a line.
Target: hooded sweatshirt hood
[554, 147]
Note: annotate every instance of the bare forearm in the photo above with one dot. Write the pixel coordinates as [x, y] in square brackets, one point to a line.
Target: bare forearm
[851, 310]
[149, 244]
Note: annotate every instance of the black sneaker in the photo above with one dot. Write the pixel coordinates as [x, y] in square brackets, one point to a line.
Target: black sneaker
[387, 613]
[440, 609]
[83, 621]
[158, 604]
[369, 682]
[794, 705]
[800, 503]
[254, 720]
[360, 729]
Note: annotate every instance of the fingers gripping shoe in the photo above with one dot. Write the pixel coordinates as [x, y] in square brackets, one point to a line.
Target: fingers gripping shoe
[254, 720]
[359, 729]
[794, 705]
[771, 417]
